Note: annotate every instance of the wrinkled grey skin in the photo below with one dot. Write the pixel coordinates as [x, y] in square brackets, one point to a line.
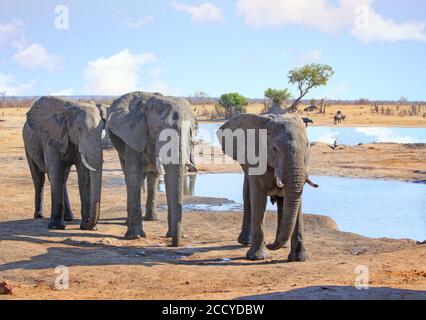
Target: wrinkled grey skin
[103, 111]
[57, 135]
[135, 122]
[287, 158]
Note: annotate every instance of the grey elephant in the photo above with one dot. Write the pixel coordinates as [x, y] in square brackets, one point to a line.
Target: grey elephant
[57, 135]
[103, 111]
[136, 124]
[287, 153]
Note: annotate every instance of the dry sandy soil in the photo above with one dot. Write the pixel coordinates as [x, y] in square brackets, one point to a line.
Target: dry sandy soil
[211, 265]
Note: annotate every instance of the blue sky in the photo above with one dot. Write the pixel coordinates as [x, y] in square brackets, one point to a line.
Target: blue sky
[377, 48]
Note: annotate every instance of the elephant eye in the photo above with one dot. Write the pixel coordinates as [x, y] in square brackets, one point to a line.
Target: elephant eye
[275, 149]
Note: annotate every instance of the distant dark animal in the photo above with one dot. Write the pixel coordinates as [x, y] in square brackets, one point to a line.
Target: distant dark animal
[339, 117]
[311, 108]
[307, 121]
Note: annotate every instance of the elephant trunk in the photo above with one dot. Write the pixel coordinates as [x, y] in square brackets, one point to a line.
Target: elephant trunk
[95, 191]
[293, 198]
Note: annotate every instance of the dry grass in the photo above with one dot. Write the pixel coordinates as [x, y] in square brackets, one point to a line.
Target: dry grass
[356, 115]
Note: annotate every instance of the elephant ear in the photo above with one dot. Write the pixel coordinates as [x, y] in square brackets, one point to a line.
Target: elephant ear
[48, 119]
[242, 122]
[127, 121]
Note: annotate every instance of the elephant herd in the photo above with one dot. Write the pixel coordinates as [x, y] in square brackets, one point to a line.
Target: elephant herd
[154, 135]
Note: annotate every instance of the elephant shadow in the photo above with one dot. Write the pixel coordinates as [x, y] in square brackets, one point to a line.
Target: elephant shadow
[341, 293]
[66, 251]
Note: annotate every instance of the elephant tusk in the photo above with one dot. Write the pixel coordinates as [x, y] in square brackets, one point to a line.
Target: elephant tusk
[86, 164]
[313, 185]
[280, 184]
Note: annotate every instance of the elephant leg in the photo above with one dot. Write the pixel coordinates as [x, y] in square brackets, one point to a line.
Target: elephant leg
[68, 215]
[151, 210]
[280, 208]
[133, 175]
[244, 237]
[258, 207]
[280, 212]
[298, 250]
[174, 191]
[84, 188]
[169, 214]
[57, 179]
[38, 179]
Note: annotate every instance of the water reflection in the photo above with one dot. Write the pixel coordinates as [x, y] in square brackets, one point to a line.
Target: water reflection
[374, 208]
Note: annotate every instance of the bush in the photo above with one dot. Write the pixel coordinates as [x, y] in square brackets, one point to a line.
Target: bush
[233, 104]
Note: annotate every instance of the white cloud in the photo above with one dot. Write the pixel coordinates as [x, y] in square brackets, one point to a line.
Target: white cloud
[202, 13]
[36, 57]
[117, 74]
[12, 88]
[374, 27]
[355, 16]
[61, 93]
[11, 32]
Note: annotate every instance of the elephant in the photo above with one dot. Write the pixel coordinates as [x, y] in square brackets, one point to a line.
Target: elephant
[137, 125]
[103, 110]
[286, 172]
[57, 135]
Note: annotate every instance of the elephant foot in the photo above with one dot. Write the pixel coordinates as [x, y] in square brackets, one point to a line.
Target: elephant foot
[170, 235]
[56, 225]
[38, 215]
[300, 256]
[85, 228]
[134, 233]
[244, 239]
[68, 216]
[258, 254]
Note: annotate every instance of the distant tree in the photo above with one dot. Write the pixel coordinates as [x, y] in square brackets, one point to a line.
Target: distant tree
[277, 95]
[308, 77]
[233, 103]
[313, 102]
[363, 101]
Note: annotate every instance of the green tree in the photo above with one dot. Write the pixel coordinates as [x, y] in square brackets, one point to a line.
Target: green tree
[277, 95]
[233, 103]
[308, 77]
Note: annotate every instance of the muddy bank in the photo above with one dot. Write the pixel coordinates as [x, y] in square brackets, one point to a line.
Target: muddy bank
[211, 265]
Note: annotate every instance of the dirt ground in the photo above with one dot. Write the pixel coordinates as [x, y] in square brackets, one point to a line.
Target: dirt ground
[210, 265]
